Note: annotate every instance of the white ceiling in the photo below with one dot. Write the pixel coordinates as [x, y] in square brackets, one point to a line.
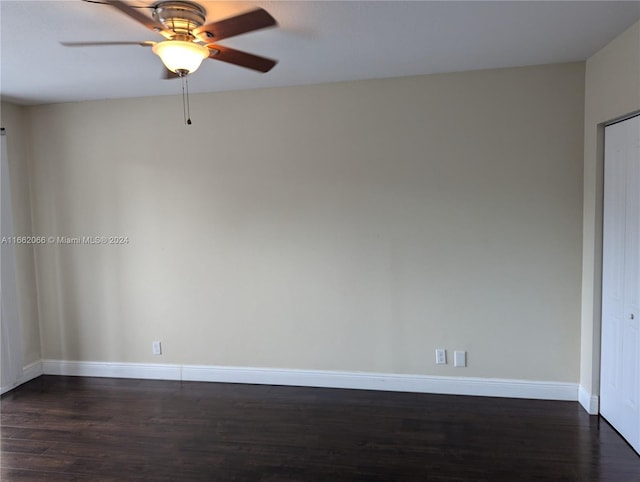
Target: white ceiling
[316, 41]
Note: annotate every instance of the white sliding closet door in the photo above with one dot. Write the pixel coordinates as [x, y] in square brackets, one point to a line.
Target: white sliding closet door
[620, 351]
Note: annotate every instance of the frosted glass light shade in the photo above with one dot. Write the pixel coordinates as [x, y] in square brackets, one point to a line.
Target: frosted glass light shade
[180, 55]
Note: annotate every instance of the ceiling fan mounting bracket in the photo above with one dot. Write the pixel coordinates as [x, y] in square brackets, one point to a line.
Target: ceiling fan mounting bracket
[179, 16]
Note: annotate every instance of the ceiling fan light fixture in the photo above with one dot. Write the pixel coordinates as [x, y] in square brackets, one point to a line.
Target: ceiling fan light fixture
[180, 55]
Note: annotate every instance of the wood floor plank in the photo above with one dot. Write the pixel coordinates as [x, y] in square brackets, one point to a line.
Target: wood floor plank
[74, 428]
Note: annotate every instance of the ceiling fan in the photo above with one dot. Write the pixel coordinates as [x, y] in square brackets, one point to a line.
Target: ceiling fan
[188, 39]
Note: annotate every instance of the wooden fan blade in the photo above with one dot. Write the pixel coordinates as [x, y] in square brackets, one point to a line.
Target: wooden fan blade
[243, 59]
[139, 17]
[246, 22]
[146, 43]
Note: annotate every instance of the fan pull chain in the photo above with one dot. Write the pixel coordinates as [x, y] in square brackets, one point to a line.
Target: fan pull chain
[188, 103]
[186, 108]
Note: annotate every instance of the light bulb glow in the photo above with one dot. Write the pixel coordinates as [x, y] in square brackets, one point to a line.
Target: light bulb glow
[180, 55]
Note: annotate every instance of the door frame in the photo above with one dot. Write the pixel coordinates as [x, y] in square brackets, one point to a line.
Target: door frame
[599, 282]
[596, 344]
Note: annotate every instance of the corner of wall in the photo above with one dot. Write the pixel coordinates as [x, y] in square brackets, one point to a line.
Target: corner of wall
[590, 402]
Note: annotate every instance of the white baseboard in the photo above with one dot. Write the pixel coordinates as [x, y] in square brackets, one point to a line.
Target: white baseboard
[591, 403]
[32, 370]
[29, 372]
[490, 387]
[111, 370]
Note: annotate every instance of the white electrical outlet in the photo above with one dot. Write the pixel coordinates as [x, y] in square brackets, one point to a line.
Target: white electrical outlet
[459, 358]
[441, 356]
[156, 348]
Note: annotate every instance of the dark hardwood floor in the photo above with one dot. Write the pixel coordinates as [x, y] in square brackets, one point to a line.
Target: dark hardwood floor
[72, 428]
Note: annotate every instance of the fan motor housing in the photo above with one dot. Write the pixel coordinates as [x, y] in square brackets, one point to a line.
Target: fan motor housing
[180, 17]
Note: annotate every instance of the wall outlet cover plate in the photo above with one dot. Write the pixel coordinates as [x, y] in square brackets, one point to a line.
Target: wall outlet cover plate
[459, 358]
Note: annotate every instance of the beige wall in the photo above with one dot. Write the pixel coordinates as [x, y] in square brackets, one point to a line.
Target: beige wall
[14, 120]
[347, 226]
[612, 90]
